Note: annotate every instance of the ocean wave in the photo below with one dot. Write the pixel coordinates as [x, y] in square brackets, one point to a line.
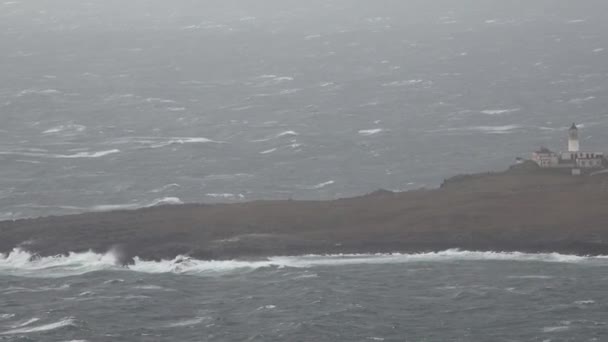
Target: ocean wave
[38, 92]
[97, 154]
[68, 321]
[506, 129]
[318, 186]
[269, 151]
[25, 264]
[499, 111]
[158, 142]
[130, 206]
[111, 207]
[279, 135]
[187, 322]
[367, 132]
[68, 128]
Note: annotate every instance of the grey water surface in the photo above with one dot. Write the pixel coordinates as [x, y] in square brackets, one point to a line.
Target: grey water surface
[515, 299]
[113, 104]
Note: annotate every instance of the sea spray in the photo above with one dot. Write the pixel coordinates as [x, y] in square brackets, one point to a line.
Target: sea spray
[22, 263]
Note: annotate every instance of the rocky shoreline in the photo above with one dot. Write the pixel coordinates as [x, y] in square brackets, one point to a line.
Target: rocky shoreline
[522, 209]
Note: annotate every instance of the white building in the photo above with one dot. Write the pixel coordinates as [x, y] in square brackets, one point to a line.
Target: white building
[573, 159]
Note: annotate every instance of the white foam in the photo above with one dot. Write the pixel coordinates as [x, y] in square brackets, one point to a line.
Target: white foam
[279, 135]
[268, 151]
[499, 111]
[69, 321]
[21, 263]
[38, 92]
[372, 131]
[319, 186]
[28, 322]
[312, 36]
[556, 329]
[158, 142]
[159, 100]
[165, 188]
[187, 322]
[128, 206]
[89, 154]
[506, 129]
[62, 156]
[403, 83]
[71, 128]
[226, 195]
[287, 134]
[581, 100]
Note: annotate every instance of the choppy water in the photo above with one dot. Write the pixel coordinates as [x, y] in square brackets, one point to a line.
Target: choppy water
[447, 296]
[126, 104]
[107, 104]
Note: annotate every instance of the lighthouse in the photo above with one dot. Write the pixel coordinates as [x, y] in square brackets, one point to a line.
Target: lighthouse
[573, 144]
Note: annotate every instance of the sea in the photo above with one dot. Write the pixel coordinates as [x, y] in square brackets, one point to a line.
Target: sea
[108, 105]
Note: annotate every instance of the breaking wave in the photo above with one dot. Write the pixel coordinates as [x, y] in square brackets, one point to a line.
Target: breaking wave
[69, 321]
[61, 156]
[25, 264]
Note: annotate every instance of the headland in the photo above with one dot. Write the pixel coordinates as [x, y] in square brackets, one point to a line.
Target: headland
[526, 208]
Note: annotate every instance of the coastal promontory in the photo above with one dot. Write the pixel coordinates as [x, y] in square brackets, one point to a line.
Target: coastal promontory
[524, 209]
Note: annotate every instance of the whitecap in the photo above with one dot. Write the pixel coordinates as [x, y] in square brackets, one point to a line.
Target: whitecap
[287, 133]
[318, 186]
[268, 151]
[62, 156]
[402, 83]
[151, 288]
[38, 92]
[226, 195]
[279, 135]
[154, 203]
[584, 302]
[370, 131]
[289, 91]
[531, 277]
[158, 142]
[88, 154]
[556, 329]
[187, 322]
[506, 129]
[581, 100]
[499, 111]
[22, 263]
[69, 321]
[165, 188]
[28, 322]
[267, 307]
[312, 36]
[71, 128]
[159, 100]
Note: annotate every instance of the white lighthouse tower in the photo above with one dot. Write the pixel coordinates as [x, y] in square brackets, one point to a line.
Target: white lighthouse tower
[573, 144]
